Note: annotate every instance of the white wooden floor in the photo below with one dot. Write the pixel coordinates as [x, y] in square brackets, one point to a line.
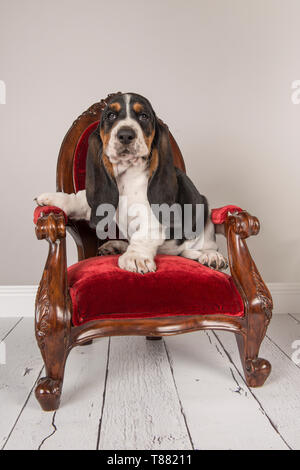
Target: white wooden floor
[185, 392]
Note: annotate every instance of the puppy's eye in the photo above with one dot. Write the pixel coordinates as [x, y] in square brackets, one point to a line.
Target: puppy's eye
[111, 116]
[143, 117]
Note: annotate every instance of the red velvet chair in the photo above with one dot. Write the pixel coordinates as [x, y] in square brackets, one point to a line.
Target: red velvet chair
[95, 298]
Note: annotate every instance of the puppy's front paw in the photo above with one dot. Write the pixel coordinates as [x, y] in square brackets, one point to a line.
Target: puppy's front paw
[213, 259]
[61, 200]
[136, 263]
[48, 199]
[113, 247]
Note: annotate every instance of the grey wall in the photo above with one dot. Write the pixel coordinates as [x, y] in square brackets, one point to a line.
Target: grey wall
[219, 72]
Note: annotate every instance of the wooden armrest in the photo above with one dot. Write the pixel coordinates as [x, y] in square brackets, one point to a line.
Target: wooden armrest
[40, 211]
[257, 299]
[237, 227]
[53, 304]
[243, 224]
[51, 227]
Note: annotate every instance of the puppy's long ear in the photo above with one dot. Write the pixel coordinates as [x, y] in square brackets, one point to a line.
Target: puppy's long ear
[162, 185]
[195, 220]
[100, 183]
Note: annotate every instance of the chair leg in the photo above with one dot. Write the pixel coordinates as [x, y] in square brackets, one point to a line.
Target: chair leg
[256, 296]
[53, 313]
[49, 388]
[256, 369]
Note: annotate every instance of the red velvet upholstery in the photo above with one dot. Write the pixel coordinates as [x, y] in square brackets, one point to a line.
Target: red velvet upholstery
[218, 216]
[100, 289]
[44, 210]
[80, 157]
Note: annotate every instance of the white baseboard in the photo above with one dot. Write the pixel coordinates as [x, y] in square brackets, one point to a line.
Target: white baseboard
[18, 301]
[286, 296]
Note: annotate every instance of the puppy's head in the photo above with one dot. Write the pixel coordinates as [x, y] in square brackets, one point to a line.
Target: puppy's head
[127, 128]
[128, 132]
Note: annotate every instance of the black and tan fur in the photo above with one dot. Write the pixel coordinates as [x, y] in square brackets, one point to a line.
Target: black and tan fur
[131, 146]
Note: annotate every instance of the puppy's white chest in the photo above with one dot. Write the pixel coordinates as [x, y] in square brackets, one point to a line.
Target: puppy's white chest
[133, 183]
[133, 202]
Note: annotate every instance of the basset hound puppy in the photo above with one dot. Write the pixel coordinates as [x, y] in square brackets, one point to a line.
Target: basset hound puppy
[130, 169]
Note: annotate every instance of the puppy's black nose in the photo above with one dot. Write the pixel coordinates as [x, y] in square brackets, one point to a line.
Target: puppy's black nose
[126, 135]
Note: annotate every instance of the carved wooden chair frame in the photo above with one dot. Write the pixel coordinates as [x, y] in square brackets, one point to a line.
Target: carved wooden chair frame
[56, 335]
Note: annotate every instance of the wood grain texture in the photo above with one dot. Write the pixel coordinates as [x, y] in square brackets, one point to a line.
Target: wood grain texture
[258, 302]
[7, 325]
[75, 425]
[142, 410]
[143, 396]
[284, 331]
[53, 311]
[220, 411]
[18, 376]
[280, 398]
[296, 316]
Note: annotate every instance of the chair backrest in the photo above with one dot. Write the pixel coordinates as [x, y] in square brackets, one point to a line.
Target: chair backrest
[71, 163]
[70, 175]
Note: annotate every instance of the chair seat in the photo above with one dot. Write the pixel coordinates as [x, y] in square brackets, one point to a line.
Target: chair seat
[101, 290]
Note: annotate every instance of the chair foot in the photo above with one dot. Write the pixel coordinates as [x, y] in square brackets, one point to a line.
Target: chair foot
[48, 392]
[153, 338]
[257, 371]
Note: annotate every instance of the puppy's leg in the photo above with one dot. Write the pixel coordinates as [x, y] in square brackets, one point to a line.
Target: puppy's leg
[139, 256]
[113, 247]
[74, 205]
[205, 251]
[145, 234]
[213, 259]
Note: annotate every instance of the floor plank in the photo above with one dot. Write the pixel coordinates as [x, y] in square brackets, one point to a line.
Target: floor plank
[220, 412]
[7, 325]
[284, 330]
[200, 401]
[279, 398]
[18, 375]
[296, 316]
[75, 425]
[142, 410]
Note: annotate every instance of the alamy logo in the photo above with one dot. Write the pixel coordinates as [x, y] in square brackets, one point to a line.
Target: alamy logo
[296, 93]
[2, 92]
[150, 222]
[2, 353]
[296, 354]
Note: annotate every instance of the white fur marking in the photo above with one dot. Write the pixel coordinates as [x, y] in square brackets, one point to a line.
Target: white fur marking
[148, 234]
[74, 205]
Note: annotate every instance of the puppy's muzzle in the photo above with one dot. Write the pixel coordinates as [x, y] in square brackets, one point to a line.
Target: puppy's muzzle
[126, 135]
